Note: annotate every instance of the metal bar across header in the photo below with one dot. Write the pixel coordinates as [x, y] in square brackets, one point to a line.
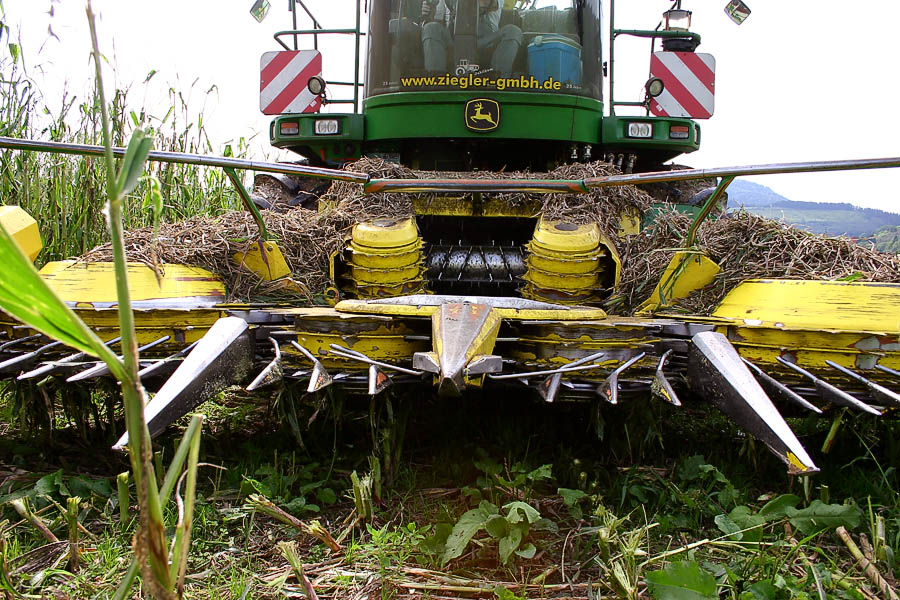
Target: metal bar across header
[187, 158]
[539, 186]
[536, 186]
[585, 185]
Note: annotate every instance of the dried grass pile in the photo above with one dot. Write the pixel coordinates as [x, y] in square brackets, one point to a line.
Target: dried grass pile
[307, 238]
[602, 205]
[745, 246]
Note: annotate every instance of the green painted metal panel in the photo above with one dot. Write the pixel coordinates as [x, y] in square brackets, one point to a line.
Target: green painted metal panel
[523, 115]
[344, 146]
[614, 128]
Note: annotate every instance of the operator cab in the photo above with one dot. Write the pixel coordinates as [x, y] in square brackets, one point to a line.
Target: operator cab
[553, 46]
[466, 85]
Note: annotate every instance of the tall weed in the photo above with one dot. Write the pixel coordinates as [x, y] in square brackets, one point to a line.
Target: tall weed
[65, 194]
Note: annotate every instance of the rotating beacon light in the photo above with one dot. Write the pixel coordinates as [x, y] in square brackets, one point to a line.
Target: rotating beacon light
[678, 20]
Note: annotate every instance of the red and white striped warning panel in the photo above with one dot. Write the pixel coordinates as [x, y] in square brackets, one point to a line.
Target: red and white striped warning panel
[282, 81]
[690, 84]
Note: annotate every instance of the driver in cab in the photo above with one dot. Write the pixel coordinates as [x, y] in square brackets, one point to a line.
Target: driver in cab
[495, 45]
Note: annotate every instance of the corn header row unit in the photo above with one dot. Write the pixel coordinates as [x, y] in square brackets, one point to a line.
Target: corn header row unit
[471, 293]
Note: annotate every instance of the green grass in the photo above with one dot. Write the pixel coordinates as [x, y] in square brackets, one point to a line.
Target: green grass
[629, 520]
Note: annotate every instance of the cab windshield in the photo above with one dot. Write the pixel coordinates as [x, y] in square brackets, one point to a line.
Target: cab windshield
[548, 46]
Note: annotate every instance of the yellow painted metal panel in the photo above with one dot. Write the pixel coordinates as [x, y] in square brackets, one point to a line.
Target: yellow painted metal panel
[687, 272]
[88, 283]
[575, 313]
[629, 222]
[466, 207]
[176, 318]
[265, 260]
[815, 305]
[385, 233]
[23, 229]
[566, 237]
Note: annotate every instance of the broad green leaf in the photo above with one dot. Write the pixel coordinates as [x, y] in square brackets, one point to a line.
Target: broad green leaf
[489, 466]
[682, 581]
[326, 496]
[52, 484]
[690, 467]
[571, 498]
[542, 472]
[761, 590]
[741, 524]
[14, 52]
[474, 494]
[27, 297]
[819, 516]
[497, 526]
[133, 163]
[510, 543]
[727, 526]
[435, 543]
[296, 506]
[527, 551]
[488, 508]
[84, 486]
[503, 593]
[777, 507]
[544, 524]
[467, 526]
[16, 495]
[717, 474]
[517, 510]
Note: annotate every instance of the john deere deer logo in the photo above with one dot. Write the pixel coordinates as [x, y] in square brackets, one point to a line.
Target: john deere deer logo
[482, 114]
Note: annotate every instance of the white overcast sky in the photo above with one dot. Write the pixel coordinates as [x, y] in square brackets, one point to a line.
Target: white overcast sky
[798, 81]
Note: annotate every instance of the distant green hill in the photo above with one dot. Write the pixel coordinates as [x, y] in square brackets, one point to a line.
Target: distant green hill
[818, 217]
[887, 239]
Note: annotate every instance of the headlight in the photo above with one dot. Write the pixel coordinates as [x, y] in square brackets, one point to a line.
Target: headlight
[654, 87]
[327, 127]
[316, 85]
[639, 130]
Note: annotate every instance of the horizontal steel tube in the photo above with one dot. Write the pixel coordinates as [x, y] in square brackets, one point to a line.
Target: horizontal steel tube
[585, 185]
[538, 186]
[186, 158]
[773, 169]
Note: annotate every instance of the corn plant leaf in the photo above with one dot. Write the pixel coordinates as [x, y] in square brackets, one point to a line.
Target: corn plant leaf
[133, 163]
[682, 581]
[27, 297]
